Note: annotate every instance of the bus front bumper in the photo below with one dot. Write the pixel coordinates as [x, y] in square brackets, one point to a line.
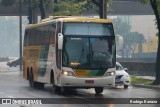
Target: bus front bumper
[70, 81]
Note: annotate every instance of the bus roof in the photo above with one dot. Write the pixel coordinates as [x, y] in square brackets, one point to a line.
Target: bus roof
[68, 19]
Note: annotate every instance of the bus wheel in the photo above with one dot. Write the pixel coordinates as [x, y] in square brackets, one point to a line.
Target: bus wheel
[31, 82]
[125, 86]
[34, 84]
[99, 90]
[40, 85]
[57, 89]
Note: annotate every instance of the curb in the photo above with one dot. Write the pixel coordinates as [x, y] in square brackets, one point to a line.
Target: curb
[146, 86]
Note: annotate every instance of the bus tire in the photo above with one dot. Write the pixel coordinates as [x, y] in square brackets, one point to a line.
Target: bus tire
[31, 80]
[57, 89]
[99, 90]
[39, 85]
[125, 86]
[34, 84]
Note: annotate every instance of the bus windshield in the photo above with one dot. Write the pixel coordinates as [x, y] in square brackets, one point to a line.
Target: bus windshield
[88, 52]
[85, 47]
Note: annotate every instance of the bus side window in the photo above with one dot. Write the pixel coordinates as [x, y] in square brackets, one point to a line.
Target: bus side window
[25, 38]
[34, 37]
[47, 35]
[29, 38]
[44, 36]
[38, 35]
[52, 30]
[41, 36]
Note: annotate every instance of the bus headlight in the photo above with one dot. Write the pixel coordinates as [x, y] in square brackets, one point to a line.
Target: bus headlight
[68, 73]
[111, 73]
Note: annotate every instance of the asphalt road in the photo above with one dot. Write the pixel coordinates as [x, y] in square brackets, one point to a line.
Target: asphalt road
[12, 85]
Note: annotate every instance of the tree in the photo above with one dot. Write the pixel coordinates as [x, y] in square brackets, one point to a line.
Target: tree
[77, 7]
[41, 7]
[30, 12]
[70, 7]
[99, 4]
[130, 38]
[134, 38]
[34, 4]
[122, 28]
[155, 4]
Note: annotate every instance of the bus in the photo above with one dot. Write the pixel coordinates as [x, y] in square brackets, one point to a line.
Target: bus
[70, 52]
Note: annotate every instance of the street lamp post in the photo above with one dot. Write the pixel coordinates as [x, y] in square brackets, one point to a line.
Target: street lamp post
[20, 33]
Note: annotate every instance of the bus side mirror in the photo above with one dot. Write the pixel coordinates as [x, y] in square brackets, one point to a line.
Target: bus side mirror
[120, 43]
[60, 41]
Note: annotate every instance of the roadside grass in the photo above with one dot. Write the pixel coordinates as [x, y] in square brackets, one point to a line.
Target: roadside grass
[136, 80]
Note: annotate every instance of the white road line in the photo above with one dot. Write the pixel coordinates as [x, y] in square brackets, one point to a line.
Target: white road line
[10, 96]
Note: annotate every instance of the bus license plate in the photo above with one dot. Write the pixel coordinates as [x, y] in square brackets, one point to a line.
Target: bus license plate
[89, 81]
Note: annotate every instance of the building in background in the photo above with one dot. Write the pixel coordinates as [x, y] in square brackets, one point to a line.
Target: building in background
[146, 50]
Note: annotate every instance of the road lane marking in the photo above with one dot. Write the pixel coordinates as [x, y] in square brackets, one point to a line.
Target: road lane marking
[10, 96]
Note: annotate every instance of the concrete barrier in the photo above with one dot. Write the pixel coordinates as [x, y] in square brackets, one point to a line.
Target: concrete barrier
[139, 67]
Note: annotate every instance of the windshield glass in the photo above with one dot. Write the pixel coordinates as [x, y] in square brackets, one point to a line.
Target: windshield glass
[118, 66]
[88, 52]
[94, 29]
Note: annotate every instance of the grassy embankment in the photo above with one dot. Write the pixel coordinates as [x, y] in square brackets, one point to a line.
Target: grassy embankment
[136, 80]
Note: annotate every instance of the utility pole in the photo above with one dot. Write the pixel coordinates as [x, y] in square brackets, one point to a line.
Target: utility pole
[20, 34]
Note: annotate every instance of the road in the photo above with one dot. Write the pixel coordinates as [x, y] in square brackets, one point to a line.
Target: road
[12, 85]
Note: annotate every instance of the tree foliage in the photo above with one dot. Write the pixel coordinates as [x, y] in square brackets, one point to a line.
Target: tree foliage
[124, 29]
[71, 7]
[77, 7]
[155, 4]
[99, 4]
[130, 38]
[35, 3]
[149, 1]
